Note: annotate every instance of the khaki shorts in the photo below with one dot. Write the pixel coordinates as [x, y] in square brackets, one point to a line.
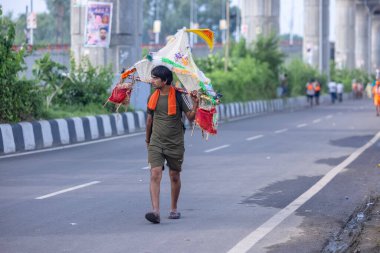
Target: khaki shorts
[157, 157]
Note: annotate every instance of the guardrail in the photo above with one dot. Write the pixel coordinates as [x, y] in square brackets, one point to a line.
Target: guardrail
[27, 136]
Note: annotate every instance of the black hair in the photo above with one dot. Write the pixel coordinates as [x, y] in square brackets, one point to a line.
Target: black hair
[103, 28]
[163, 73]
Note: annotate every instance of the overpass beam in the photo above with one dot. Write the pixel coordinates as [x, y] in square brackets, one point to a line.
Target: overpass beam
[375, 59]
[362, 29]
[260, 17]
[316, 47]
[345, 35]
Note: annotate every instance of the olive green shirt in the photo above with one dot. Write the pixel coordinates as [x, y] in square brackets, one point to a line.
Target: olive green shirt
[167, 130]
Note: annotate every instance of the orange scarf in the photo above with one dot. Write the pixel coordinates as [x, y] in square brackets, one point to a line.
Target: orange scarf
[172, 105]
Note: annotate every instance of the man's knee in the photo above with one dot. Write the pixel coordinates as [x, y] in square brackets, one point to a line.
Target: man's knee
[156, 174]
[175, 176]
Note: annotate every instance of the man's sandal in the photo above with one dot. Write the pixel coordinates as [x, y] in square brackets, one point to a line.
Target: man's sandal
[153, 217]
[174, 215]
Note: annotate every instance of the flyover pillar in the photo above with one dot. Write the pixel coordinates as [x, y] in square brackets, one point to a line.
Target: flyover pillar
[126, 35]
[375, 55]
[260, 17]
[316, 46]
[345, 35]
[362, 43]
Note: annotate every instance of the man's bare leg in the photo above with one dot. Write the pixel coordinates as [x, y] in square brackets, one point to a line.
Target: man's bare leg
[155, 181]
[175, 180]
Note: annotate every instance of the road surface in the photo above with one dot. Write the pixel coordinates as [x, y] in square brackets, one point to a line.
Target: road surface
[280, 182]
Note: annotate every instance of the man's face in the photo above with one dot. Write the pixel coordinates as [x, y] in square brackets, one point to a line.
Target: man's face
[157, 82]
[103, 34]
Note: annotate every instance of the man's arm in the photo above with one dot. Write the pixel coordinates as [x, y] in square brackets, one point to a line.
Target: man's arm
[191, 114]
[148, 131]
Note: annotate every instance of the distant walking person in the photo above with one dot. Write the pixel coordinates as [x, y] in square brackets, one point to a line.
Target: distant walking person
[339, 91]
[332, 91]
[310, 91]
[165, 137]
[317, 91]
[376, 97]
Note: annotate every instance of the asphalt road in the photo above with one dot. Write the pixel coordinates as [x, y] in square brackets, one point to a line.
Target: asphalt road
[280, 182]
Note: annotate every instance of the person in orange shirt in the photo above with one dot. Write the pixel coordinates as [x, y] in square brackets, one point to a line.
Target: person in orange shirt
[317, 89]
[376, 97]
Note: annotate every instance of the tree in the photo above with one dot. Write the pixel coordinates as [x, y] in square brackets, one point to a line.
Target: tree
[20, 98]
[52, 76]
[60, 11]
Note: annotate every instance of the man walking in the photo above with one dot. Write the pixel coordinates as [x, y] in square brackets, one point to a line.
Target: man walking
[165, 137]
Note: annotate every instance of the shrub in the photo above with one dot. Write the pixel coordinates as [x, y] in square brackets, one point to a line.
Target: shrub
[20, 98]
[86, 84]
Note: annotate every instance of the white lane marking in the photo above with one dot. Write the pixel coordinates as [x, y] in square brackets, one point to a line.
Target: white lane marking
[329, 116]
[145, 168]
[280, 131]
[301, 125]
[217, 148]
[72, 145]
[67, 190]
[255, 137]
[316, 121]
[250, 240]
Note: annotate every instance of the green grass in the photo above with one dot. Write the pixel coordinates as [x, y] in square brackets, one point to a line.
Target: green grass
[68, 111]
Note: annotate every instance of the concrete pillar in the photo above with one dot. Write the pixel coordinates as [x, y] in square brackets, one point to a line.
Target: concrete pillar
[362, 28]
[316, 46]
[260, 17]
[375, 59]
[345, 33]
[126, 35]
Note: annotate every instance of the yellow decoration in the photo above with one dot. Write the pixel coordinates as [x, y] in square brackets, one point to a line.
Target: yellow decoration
[206, 34]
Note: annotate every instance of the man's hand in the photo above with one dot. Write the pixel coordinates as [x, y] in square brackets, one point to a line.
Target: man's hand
[194, 98]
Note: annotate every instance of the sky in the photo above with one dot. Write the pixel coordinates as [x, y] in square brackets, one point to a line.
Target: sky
[18, 7]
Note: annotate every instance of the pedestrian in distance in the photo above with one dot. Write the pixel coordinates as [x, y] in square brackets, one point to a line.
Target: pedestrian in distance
[317, 91]
[310, 92]
[339, 91]
[376, 97]
[332, 91]
[165, 137]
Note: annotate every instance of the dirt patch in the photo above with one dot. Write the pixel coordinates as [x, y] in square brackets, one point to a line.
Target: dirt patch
[361, 232]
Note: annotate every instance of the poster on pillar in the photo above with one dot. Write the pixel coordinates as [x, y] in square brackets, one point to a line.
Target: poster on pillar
[98, 24]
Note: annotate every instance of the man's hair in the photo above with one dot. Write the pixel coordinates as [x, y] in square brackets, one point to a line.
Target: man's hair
[163, 73]
[103, 28]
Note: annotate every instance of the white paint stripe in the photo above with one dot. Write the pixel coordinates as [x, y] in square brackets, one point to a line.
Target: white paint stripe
[71, 146]
[316, 121]
[106, 125]
[217, 148]
[280, 131]
[145, 168]
[119, 123]
[249, 241]
[93, 127]
[141, 118]
[47, 136]
[301, 125]
[8, 139]
[63, 131]
[79, 131]
[255, 137]
[27, 133]
[67, 190]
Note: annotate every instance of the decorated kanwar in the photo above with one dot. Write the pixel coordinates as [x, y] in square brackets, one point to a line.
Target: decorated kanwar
[177, 57]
